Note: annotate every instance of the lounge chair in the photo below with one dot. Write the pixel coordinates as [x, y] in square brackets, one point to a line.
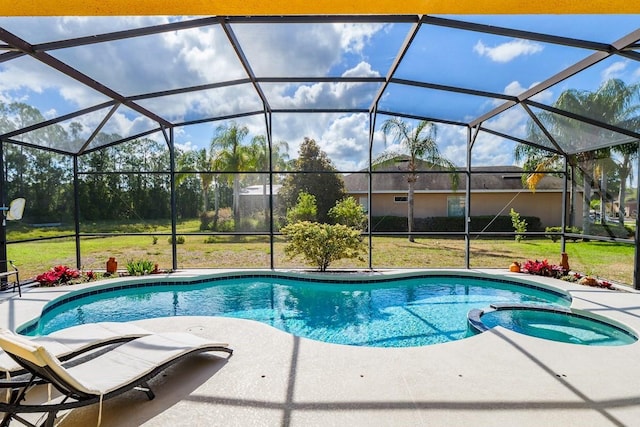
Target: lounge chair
[109, 374]
[70, 342]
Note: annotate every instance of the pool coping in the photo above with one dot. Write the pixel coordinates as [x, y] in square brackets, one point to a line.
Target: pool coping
[498, 378]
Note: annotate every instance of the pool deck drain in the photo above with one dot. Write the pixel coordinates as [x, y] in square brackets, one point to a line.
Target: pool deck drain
[498, 378]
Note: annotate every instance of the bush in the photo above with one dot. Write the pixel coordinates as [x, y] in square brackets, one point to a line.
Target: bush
[611, 230]
[321, 244]
[304, 210]
[140, 268]
[556, 237]
[63, 275]
[224, 221]
[519, 225]
[438, 224]
[543, 268]
[350, 213]
[179, 240]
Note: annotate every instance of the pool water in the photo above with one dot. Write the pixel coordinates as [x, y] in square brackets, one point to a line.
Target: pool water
[558, 326]
[399, 313]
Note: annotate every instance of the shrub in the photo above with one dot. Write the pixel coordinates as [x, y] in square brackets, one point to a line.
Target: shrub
[63, 275]
[519, 225]
[321, 244]
[304, 210]
[350, 213]
[611, 230]
[543, 268]
[140, 267]
[556, 237]
[484, 223]
[179, 240]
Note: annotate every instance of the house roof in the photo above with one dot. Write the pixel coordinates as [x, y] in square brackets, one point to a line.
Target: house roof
[491, 178]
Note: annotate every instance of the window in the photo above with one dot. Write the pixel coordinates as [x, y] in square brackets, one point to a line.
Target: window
[364, 202]
[455, 206]
[400, 199]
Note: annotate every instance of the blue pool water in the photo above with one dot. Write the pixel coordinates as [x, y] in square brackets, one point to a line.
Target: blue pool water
[398, 313]
[558, 326]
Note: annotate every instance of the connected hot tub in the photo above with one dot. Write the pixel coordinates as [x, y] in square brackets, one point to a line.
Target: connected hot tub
[552, 323]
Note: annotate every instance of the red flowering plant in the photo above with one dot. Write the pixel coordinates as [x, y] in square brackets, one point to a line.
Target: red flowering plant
[543, 268]
[62, 275]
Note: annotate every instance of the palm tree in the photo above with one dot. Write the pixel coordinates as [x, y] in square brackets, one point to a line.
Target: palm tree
[420, 143]
[259, 158]
[628, 152]
[613, 102]
[229, 155]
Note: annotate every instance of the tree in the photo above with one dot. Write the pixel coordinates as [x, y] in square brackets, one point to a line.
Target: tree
[321, 244]
[316, 176]
[613, 102]
[229, 155]
[420, 143]
[628, 152]
[350, 213]
[305, 210]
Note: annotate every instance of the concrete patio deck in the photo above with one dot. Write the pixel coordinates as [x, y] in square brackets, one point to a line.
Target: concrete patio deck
[498, 378]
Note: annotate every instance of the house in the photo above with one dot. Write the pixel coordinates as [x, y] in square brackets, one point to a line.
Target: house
[494, 191]
[256, 197]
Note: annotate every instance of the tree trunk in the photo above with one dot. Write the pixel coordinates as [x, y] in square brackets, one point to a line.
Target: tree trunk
[586, 196]
[603, 195]
[236, 201]
[624, 174]
[410, 208]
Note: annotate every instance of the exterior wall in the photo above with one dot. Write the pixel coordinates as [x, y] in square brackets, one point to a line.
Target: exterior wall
[546, 206]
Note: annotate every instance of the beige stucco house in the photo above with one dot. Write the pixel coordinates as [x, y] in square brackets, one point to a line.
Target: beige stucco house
[494, 191]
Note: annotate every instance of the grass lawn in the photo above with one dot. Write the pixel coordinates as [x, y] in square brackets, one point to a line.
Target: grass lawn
[606, 260]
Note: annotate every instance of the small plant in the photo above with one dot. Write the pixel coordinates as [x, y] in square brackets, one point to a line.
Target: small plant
[555, 237]
[154, 239]
[350, 213]
[519, 225]
[321, 244]
[179, 240]
[63, 275]
[543, 268]
[305, 209]
[140, 267]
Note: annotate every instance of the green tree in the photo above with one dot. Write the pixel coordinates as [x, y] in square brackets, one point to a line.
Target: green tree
[305, 210]
[420, 143]
[321, 244]
[350, 213]
[317, 176]
[614, 102]
[230, 155]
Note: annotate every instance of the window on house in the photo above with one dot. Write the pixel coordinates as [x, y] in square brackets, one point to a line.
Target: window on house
[364, 202]
[455, 206]
[400, 199]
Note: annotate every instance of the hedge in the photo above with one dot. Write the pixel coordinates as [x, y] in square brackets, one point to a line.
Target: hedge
[439, 223]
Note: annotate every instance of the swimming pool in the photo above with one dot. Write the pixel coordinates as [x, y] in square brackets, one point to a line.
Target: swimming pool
[552, 323]
[380, 312]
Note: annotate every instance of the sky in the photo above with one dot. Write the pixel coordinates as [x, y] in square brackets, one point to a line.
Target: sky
[201, 56]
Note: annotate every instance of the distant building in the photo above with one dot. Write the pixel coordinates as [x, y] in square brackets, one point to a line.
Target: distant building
[256, 197]
[494, 191]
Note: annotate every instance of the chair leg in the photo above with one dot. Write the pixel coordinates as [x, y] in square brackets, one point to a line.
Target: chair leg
[147, 390]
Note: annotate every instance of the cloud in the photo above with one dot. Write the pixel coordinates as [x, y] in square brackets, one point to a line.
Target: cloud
[506, 52]
[354, 37]
[614, 70]
[515, 89]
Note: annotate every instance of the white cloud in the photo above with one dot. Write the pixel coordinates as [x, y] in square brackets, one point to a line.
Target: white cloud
[614, 70]
[354, 37]
[515, 88]
[506, 52]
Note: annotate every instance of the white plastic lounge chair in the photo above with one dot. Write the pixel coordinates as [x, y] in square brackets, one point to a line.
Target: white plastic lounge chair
[111, 373]
[68, 343]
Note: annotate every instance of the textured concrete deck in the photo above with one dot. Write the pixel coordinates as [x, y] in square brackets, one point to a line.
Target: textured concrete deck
[498, 378]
